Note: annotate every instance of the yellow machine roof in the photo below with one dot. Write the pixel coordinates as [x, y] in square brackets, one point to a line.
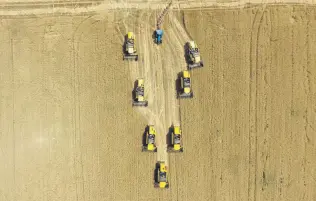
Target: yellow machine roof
[163, 167]
[177, 147]
[186, 74]
[162, 184]
[150, 147]
[130, 35]
[192, 44]
[140, 82]
[197, 59]
[177, 130]
[152, 130]
[140, 98]
[187, 90]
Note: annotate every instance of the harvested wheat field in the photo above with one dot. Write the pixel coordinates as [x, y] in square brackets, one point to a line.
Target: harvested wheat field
[69, 132]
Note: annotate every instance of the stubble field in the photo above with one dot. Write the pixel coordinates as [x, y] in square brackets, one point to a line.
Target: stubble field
[69, 132]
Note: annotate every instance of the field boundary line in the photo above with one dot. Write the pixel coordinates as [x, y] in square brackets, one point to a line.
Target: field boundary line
[91, 7]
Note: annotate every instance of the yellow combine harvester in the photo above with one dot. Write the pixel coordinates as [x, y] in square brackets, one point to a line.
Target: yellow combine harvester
[193, 55]
[176, 140]
[185, 91]
[130, 48]
[161, 176]
[150, 144]
[139, 94]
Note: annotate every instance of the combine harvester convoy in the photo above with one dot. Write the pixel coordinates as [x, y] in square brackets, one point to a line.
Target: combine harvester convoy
[183, 91]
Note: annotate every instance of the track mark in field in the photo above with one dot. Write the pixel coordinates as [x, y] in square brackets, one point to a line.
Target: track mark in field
[13, 111]
[267, 111]
[292, 96]
[177, 25]
[78, 159]
[163, 108]
[136, 27]
[150, 68]
[255, 35]
[184, 25]
[308, 75]
[161, 111]
[306, 84]
[172, 67]
[100, 6]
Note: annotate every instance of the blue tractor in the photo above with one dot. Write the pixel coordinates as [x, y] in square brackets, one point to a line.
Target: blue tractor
[158, 36]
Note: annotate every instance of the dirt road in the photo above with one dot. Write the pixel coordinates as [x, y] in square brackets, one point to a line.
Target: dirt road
[66, 7]
[159, 66]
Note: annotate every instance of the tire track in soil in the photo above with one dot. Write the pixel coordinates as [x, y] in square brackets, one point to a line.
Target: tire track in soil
[159, 66]
[267, 106]
[154, 76]
[173, 47]
[178, 27]
[134, 68]
[78, 159]
[94, 6]
[252, 186]
[150, 68]
[154, 66]
[175, 41]
[173, 66]
[310, 116]
[174, 52]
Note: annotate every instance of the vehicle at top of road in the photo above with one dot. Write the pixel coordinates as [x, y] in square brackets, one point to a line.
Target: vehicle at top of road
[158, 36]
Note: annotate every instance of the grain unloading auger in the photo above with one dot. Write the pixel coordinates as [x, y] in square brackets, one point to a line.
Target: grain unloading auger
[130, 51]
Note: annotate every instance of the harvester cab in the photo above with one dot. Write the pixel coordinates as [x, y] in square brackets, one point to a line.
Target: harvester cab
[185, 81]
[130, 52]
[161, 177]
[139, 94]
[193, 55]
[150, 144]
[158, 36]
